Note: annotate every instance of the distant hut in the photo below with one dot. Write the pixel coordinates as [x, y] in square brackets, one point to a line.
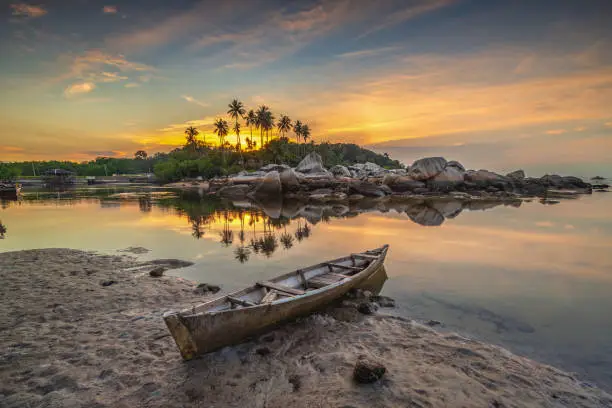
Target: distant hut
[58, 177]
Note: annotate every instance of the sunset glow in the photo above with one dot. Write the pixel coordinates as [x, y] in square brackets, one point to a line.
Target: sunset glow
[505, 84]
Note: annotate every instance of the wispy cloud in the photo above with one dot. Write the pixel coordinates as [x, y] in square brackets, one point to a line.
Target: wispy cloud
[109, 9]
[556, 131]
[191, 99]
[132, 85]
[413, 10]
[367, 53]
[79, 89]
[27, 10]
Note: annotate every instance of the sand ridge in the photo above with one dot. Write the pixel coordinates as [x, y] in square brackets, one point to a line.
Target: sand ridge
[68, 341]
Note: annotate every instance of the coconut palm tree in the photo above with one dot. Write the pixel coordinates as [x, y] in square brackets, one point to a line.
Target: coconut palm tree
[297, 129]
[237, 132]
[284, 125]
[190, 135]
[268, 124]
[260, 121]
[251, 120]
[236, 110]
[221, 130]
[305, 134]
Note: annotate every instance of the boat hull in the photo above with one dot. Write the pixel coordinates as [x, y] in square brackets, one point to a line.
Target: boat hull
[202, 333]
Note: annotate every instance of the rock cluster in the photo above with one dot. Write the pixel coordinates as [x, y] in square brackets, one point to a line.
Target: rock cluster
[430, 176]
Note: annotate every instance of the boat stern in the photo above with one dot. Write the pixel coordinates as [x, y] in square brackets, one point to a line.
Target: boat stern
[181, 334]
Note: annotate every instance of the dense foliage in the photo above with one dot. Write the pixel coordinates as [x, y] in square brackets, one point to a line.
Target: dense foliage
[207, 162]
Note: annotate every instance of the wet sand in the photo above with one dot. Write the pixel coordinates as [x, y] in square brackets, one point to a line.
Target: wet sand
[69, 341]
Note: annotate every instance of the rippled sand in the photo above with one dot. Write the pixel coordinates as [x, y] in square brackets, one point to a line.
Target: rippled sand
[68, 341]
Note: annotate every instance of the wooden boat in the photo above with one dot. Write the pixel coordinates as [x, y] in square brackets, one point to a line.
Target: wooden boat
[232, 318]
[10, 189]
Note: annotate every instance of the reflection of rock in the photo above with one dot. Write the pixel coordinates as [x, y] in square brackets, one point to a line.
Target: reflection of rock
[340, 171]
[272, 208]
[269, 186]
[427, 168]
[310, 164]
[448, 209]
[425, 216]
[235, 191]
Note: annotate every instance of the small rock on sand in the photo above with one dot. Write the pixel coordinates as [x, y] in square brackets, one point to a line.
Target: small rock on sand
[108, 282]
[157, 272]
[383, 301]
[206, 288]
[368, 370]
[367, 308]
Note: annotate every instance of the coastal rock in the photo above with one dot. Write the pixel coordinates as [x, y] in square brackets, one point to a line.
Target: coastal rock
[235, 191]
[272, 167]
[206, 288]
[368, 370]
[368, 189]
[340, 171]
[390, 178]
[450, 174]
[367, 169]
[289, 180]
[427, 168]
[310, 164]
[484, 176]
[598, 178]
[269, 186]
[366, 308]
[455, 164]
[402, 184]
[516, 175]
[567, 182]
[383, 301]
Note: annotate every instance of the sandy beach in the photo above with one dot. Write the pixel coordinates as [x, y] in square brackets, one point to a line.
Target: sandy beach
[80, 329]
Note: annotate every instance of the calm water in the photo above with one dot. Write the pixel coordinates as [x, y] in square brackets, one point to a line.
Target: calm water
[536, 278]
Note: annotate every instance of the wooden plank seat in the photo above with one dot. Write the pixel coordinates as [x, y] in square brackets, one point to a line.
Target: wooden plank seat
[340, 266]
[280, 288]
[325, 279]
[240, 302]
[365, 256]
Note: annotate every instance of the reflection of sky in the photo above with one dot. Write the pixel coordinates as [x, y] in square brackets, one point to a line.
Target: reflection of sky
[502, 84]
[535, 278]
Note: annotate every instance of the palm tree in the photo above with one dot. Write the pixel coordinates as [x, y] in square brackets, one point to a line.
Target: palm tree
[305, 134]
[251, 120]
[237, 132]
[297, 129]
[260, 121]
[284, 125]
[221, 129]
[236, 110]
[268, 124]
[190, 135]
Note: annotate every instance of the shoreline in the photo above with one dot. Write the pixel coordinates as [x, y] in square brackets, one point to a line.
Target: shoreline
[71, 341]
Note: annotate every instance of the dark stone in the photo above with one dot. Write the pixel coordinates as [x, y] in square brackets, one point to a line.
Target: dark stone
[383, 301]
[206, 288]
[433, 323]
[236, 191]
[263, 351]
[369, 189]
[366, 308]
[368, 371]
[420, 190]
[157, 272]
[108, 282]
[295, 381]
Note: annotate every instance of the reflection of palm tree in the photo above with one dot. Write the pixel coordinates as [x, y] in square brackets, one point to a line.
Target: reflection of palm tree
[144, 203]
[269, 244]
[242, 253]
[302, 232]
[227, 235]
[256, 245]
[287, 240]
[2, 230]
[196, 226]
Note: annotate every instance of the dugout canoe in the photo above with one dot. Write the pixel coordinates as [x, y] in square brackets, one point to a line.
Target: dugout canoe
[232, 318]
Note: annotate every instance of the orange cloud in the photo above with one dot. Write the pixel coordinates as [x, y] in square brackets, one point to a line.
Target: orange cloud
[556, 131]
[109, 9]
[79, 88]
[28, 10]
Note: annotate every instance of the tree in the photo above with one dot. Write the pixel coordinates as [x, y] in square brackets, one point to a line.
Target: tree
[221, 130]
[260, 121]
[268, 124]
[297, 129]
[284, 125]
[305, 133]
[237, 132]
[140, 155]
[190, 135]
[236, 110]
[251, 120]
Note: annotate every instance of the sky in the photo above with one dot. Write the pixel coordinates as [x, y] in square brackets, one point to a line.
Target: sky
[494, 84]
